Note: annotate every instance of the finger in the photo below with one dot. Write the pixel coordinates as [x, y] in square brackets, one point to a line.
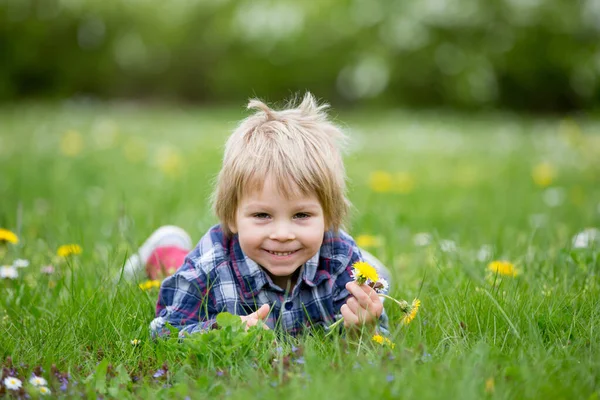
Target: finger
[350, 319]
[370, 292]
[352, 305]
[360, 295]
[263, 312]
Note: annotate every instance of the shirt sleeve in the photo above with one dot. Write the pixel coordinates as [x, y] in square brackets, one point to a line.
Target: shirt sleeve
[341, 294]
[186, 301]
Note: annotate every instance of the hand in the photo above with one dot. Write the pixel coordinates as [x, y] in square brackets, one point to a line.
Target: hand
[259, 315]
[363, 307]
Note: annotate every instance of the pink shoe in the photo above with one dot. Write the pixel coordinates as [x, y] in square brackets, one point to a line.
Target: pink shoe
[163, 252]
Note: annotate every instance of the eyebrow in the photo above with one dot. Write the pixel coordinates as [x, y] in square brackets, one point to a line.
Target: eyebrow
[302, 206]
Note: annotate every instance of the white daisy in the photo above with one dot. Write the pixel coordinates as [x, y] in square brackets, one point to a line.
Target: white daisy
[38, 381]
[44, 391]
[8, 272]
[12, 383]
[385, 286]
[586, 238]
[21, 263]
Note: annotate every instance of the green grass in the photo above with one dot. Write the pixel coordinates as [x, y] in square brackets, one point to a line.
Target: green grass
[533, 336]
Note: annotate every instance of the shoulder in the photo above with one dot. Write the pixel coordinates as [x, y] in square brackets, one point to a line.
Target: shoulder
[339, 250]
[211, 252]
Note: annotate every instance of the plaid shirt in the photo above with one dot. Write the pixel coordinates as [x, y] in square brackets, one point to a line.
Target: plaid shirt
[217, 276]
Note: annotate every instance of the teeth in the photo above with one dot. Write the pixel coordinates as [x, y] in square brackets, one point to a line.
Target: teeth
[277, 253]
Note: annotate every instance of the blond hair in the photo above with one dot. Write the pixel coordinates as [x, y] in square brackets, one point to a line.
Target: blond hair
[298, 147]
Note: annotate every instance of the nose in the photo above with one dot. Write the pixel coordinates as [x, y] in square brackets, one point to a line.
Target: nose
[282, 232]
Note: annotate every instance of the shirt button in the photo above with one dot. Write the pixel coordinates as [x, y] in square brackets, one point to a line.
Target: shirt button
[289, 305]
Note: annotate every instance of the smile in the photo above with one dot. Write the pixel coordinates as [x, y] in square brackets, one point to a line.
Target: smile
[280, 253]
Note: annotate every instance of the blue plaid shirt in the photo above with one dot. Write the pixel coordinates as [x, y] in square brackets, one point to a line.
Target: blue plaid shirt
[217, 276]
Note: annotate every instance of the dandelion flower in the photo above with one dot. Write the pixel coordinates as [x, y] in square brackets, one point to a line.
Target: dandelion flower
[404, 183]
[489, 385]
[44, 391]
[504, 268]
[543, 174]
[412, 312]
[363, 272]
[147, 285]
[8, 272]
[135, 342]
[381, 181]
[8, 236]
[21, 263]
[38, 381]
[69, 249]
[383, 341]
[366, 241]
[12, 383]
[71, 143]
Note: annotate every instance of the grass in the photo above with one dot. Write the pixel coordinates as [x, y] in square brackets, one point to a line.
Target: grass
[104, 176]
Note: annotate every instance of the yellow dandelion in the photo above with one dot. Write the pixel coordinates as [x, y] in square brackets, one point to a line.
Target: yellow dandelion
[71, 143]
[8, 236]
[135, 150]
[149, 284]
[412, 312]
[489, 385]
[404, 183]
[366, 241]
[543, 174]
[364, 271]
[383, 341]
[69, 249]
[381, 181]
[170, 161]
[504, 268]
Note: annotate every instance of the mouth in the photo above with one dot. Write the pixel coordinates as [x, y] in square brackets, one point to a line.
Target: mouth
[281, 253]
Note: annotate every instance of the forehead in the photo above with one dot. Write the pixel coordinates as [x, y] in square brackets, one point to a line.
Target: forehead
[273, 188]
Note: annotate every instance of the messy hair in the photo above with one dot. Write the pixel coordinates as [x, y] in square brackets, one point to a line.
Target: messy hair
[298, 147]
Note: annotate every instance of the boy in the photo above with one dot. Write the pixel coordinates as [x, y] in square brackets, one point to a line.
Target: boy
[278, 254]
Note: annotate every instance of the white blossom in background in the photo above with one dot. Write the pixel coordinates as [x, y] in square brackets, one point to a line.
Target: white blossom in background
[586, 238]
[12, 383]
[537, 220]
[447, 246]
[38, 381]
[8, 272]
[365, 79]
[554, 196]
[485, 252]
[422, 239]
[21, 263]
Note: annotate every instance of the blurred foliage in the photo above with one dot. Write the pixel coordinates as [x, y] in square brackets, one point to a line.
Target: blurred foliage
[523, 54]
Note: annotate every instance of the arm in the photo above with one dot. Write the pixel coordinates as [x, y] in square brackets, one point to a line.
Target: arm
[185, 301]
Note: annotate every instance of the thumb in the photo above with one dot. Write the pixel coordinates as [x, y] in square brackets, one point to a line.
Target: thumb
[263, 312]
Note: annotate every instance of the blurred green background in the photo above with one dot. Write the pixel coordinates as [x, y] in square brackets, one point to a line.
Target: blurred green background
[532, 55]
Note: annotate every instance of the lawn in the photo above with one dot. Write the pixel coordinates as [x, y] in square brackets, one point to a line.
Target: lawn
[437, 196]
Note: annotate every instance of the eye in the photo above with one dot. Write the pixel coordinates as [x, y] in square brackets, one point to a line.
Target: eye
[302, 215]
[261, 215]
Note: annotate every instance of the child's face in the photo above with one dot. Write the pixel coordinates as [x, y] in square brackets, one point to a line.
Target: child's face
[279, 234]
